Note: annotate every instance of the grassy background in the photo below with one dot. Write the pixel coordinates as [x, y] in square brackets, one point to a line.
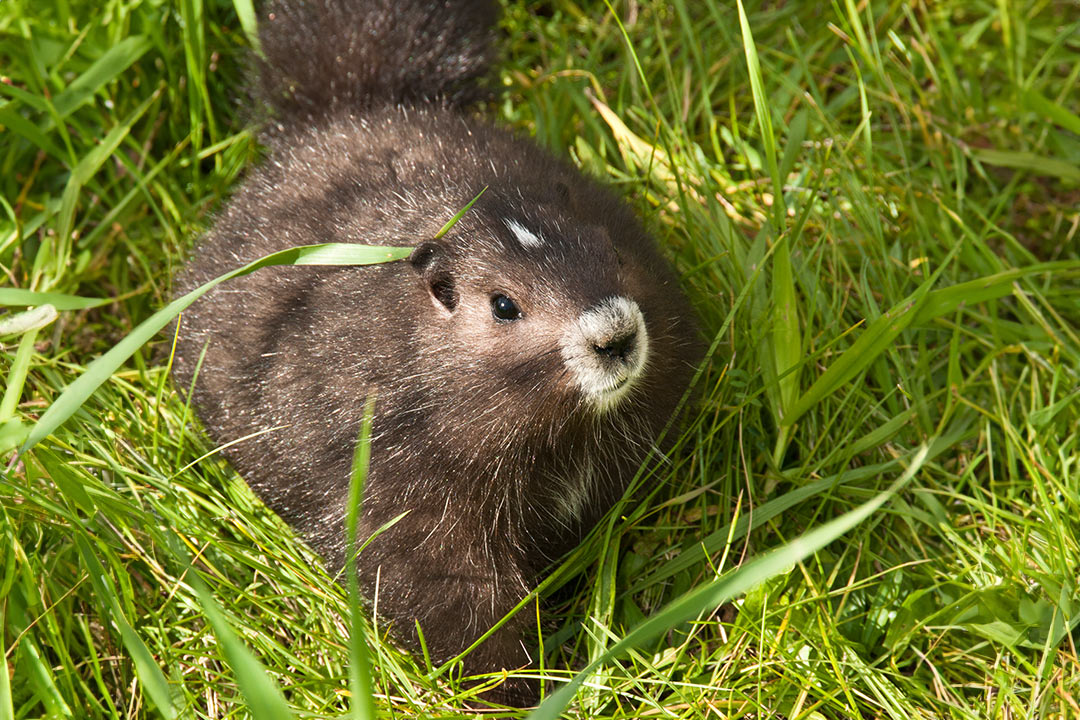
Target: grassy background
[813, 185]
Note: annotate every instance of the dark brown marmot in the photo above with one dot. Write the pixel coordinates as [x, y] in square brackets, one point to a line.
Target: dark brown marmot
[523, 365]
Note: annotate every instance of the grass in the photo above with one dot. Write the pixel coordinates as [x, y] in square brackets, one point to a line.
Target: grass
[875, 208]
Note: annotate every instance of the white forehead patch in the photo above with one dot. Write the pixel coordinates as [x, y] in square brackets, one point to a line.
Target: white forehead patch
[524, 235]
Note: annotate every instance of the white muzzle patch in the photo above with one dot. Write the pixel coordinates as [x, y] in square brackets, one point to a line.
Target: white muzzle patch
[606, 349]
[526, 237]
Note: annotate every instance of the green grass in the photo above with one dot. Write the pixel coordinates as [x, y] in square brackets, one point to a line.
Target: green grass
[875, 208]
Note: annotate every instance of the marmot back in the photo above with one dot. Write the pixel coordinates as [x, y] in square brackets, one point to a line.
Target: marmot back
[523, 364]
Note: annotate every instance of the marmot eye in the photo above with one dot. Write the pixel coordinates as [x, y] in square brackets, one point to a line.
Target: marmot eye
[503, 308]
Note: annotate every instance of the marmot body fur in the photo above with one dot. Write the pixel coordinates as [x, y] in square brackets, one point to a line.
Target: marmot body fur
[522, 365]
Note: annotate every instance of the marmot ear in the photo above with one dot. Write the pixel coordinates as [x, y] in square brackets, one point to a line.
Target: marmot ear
[431, 262]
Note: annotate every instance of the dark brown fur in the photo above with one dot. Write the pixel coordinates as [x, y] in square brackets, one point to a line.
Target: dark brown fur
[480, 433]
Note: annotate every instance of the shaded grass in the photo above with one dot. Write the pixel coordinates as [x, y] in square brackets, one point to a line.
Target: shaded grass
[894, 152]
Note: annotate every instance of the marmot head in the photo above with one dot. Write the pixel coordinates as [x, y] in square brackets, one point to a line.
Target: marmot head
[543, 307]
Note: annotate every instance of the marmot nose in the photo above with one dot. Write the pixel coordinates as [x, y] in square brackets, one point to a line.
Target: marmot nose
[606, 349]
[619, 347]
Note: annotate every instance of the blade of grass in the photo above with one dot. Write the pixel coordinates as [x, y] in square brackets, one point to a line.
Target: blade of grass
[15, 123]
[116, 60]
[459, 214]
[140, 189]
[33, 669]
[17, 375]
[797, 130]
[764, 118]
[32, 319]
[785, 345]
[245, 11]
[60, 301]
[80, 175]
[715, 541]
[1036, 164]
[150, 675]
[363, 702]
[744, 578]
[75, 394]
[920, 307]
[7, 711]
[262, 697]
[12, 434]
[1037, 103]
[200, 117]
[786, 338]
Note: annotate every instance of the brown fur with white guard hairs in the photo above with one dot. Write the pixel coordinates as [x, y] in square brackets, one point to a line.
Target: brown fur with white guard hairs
[523, 365]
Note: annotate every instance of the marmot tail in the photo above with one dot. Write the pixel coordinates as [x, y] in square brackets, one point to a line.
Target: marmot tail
[321, 57]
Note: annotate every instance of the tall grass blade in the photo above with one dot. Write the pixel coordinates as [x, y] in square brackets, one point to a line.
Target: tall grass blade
[75, 394]
[80, 175]
[245, 11]
[947, 300]
[116, 60]
[1038, 103]
[15, 123]
[199, 115]
[786, 339]
[363, 701]
[918, 308]
[714, 542]
[1036, 164]
[785, 346]
[261, 696]
[800, 125]
[764, 118]
[13, 433]
[36, 671]
[17, 375]
[695, 555]
[744, 578]
[7, 711]
[150, 675]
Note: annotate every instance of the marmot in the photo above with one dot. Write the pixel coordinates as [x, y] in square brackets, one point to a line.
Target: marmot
[522, 365]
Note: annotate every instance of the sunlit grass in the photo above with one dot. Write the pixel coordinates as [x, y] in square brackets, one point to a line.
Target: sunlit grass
[875, 208]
